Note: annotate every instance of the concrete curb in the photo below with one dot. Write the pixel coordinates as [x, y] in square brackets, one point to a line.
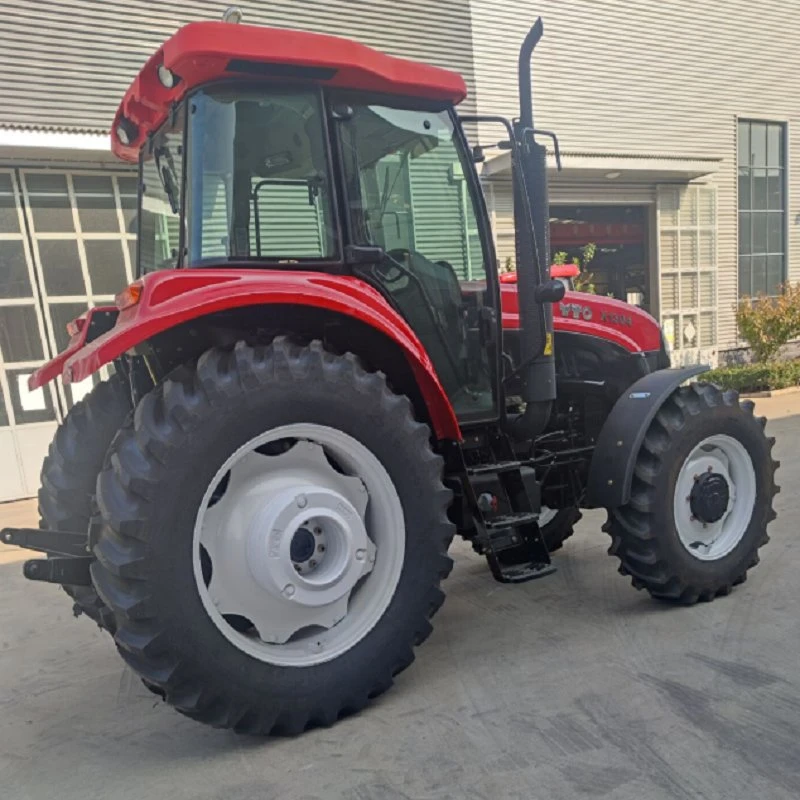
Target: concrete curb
[790, 390]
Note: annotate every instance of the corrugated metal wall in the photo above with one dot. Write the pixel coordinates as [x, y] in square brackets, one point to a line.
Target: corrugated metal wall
[66, 63]
[654, 77]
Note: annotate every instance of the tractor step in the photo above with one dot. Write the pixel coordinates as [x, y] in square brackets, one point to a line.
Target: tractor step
[505, 521]
[505, 499]
[519, 573]
[515, 549]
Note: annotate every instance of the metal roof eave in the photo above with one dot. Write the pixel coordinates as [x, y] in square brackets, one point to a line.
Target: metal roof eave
[657, 167]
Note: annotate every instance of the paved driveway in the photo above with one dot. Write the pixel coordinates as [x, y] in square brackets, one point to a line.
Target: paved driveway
[569, 687]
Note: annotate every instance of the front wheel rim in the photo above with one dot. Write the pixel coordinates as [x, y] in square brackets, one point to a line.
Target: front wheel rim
[299, 545]
[715, 496]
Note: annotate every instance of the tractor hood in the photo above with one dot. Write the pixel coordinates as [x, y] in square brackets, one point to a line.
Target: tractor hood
[592, 315]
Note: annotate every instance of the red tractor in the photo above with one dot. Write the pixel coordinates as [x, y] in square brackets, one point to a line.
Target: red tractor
[318, 380]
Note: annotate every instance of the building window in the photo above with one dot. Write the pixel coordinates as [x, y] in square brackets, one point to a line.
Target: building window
[762, 207]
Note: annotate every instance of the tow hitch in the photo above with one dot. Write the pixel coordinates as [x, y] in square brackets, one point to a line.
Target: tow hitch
[70, 555]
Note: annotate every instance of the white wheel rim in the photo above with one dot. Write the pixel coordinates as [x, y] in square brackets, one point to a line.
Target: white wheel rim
[726, 457]
[547, 515]
[310, 555]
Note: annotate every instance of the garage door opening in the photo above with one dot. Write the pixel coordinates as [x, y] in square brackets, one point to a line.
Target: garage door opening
[620, 265]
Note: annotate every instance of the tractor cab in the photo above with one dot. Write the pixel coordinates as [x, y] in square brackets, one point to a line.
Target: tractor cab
[357, 165]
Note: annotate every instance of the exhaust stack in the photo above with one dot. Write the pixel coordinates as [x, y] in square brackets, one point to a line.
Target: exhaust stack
[536, 293]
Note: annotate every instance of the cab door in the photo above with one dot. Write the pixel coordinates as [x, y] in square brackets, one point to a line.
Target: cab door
[412, 192]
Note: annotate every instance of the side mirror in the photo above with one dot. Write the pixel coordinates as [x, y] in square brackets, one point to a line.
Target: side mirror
[478, 155]
[551, 291]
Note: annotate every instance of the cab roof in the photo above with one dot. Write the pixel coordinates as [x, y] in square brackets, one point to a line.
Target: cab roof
[202, 52]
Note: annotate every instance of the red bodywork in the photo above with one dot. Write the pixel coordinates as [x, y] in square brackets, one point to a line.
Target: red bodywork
[564, 271]
[556, 271]
[201, 52]
[592, 315]
[172, 297]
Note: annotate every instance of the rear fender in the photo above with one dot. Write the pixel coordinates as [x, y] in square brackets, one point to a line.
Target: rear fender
[89, 326]
[172, 297]
[622, 434]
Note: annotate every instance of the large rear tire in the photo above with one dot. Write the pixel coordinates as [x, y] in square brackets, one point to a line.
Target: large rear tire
[70, 470]
[217, 609]
[701, 499]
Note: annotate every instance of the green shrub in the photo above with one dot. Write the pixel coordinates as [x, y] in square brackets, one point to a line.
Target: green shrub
[768, 323]
[584, 280]
[756, 377]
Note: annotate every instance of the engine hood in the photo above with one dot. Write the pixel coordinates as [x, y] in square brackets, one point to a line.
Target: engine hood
[592, 315]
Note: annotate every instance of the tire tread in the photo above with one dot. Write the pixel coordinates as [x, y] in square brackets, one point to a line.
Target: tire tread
[634, 528]
[126, 488]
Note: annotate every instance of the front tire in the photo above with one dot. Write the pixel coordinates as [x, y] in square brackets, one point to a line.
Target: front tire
[701, 499]
[557, 525]
[226, 618]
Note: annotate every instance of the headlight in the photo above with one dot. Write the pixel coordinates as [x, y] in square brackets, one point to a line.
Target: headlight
[127, 131]
[167, 77]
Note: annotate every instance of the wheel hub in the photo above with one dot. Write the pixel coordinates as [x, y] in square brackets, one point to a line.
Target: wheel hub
[302, 547]
[285, 565]
[709, 497]
[715, 494]
[281, 545]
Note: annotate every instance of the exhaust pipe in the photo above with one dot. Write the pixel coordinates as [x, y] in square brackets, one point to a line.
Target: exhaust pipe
[536, 292]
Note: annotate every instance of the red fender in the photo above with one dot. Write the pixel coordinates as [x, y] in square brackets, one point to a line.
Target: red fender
[171, 297]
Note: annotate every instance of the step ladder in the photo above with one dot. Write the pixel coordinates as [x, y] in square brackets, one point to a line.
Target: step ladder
[512, 542]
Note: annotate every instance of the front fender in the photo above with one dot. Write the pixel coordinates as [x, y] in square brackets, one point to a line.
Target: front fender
[171, 297]
[622, 434]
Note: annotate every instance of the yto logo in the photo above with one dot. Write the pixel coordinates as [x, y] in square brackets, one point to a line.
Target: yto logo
[575, 310]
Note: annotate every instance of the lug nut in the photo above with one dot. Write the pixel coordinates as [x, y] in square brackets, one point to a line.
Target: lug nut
[288, 590]
[301, 500]
[312, 563]
[298, 568]
[317, 531]
[321, 548]
[361, 554]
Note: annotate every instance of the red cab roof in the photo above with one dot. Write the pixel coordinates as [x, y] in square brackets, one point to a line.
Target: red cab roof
[205, 51]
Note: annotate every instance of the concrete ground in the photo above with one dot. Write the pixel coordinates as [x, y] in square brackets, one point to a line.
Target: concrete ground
[570, 687]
